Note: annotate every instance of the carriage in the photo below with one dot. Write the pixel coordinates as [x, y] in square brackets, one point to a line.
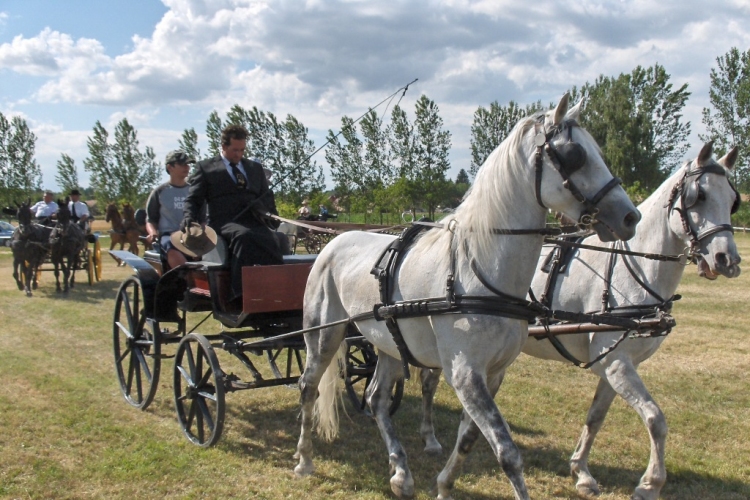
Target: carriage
[154, 312]
[89, 260]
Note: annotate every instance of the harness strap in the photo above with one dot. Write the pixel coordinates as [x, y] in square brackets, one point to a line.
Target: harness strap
[384, 271]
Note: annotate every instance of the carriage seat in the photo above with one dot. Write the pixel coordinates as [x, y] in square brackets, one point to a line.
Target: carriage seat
[219, 256]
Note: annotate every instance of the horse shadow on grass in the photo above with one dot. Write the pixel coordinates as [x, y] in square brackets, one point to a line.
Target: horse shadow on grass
[83, 293]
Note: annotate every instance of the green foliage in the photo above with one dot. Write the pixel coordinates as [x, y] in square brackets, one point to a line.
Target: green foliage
[491, 127]
[120, 171]
[67, 174]
[282, 147]
[20, 174]
[189, 143]
[636, 119]
[728, 124]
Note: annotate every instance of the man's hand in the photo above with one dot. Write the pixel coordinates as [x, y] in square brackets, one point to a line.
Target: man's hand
[185, 224]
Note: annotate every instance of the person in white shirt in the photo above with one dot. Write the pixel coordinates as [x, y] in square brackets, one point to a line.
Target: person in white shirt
[79, 211]
[45, 210]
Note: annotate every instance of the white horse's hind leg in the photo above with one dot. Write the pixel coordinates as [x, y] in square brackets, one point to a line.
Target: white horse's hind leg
[387, 372]
[481, 413]
[430, 379]
[322, 347]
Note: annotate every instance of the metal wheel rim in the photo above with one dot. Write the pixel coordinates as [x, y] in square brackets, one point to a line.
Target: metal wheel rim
[137, 349]
[199, 391]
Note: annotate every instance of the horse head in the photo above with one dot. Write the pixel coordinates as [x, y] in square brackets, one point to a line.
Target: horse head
[565, 151]
[704, 200]
[112, 213]
[128, 212]
[63, 212]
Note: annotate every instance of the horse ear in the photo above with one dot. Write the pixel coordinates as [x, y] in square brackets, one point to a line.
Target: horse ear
[561, 110]
[727, 161]
[575, 111]
[706, 152]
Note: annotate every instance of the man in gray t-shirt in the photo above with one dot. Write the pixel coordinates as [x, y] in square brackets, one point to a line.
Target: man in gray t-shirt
[164, 208]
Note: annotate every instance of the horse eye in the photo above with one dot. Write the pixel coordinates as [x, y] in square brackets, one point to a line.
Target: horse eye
[701, 195]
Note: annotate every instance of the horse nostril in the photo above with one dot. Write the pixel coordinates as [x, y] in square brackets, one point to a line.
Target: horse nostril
[632, 219]
[721, 259]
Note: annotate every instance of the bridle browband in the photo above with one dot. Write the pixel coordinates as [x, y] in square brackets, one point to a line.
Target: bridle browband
[567, 159]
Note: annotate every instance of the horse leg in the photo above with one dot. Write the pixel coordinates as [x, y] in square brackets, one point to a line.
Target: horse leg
[624, 379]
[430, 379]
[26, 272]
[19, 278]
[387, 372]
[481, 414]
[57, 266]
[579, 469]
[322, 347]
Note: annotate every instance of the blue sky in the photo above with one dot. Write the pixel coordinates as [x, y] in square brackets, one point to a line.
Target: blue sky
[165, 65]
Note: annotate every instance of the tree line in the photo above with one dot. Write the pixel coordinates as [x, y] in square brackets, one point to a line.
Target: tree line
[391, 162]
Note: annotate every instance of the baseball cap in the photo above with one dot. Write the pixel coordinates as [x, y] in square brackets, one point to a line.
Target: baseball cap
[178, 156]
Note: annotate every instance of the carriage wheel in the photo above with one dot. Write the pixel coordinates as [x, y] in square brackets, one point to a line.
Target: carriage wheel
[90, 271]
[98, 260]
[137, 346]
[313, 243]
[199, 390]
[292, 367]
[360, 368]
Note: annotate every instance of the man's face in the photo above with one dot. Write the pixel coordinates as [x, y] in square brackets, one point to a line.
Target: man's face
[179, 170]
[47, 198]
[75, 198]
[234, 151]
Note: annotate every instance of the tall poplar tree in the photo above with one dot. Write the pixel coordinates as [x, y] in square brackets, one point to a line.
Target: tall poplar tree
[188, 142]
[67, 174]
[728, 120]
[20, 174]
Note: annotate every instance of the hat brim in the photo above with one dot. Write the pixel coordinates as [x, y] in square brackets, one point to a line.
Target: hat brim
[194, 250]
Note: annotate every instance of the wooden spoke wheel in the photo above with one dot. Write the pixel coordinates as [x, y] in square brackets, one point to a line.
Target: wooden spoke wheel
[313, 243]
[199, 390]
[360, 368]
[88, 257]
[286, 362]
[137, 346]
[97, 255]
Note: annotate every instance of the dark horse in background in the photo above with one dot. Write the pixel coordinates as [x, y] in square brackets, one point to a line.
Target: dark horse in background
[66, 242]
[30, 244]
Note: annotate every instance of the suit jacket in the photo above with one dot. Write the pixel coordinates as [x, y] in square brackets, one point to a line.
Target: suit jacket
[210, 183]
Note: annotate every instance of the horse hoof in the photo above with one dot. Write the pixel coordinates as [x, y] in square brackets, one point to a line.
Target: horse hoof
[402, 485]
[28, 293]
[35, 286]
[304, 470]
[434, 450]
[588, 490]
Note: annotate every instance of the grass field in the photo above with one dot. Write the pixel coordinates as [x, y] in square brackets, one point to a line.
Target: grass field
[66, 432]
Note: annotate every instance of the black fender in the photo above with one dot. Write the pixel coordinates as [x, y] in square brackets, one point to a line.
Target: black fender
[146, 274]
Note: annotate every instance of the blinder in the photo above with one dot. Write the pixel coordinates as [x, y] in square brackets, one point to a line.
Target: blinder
[571, 155]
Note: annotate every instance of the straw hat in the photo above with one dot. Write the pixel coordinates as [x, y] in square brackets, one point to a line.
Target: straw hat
[196, 241]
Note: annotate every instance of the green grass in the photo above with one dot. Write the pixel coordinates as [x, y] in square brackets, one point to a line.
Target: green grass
[66, 432]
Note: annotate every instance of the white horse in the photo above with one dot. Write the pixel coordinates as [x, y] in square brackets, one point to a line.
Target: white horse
[690, 209]
[518, 181]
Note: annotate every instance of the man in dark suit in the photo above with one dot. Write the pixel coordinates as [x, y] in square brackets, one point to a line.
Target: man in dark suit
[236, 191]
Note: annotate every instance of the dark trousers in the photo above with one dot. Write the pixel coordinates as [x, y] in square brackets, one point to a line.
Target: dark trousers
[249, 246]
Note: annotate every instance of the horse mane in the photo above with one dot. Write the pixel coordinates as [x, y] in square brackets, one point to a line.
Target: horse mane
[489, 203]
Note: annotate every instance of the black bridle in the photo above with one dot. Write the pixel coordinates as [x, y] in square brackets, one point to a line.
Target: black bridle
[567, 159]
[688, 192]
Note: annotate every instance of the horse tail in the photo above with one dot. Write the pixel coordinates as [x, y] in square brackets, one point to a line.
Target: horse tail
[326, 411]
